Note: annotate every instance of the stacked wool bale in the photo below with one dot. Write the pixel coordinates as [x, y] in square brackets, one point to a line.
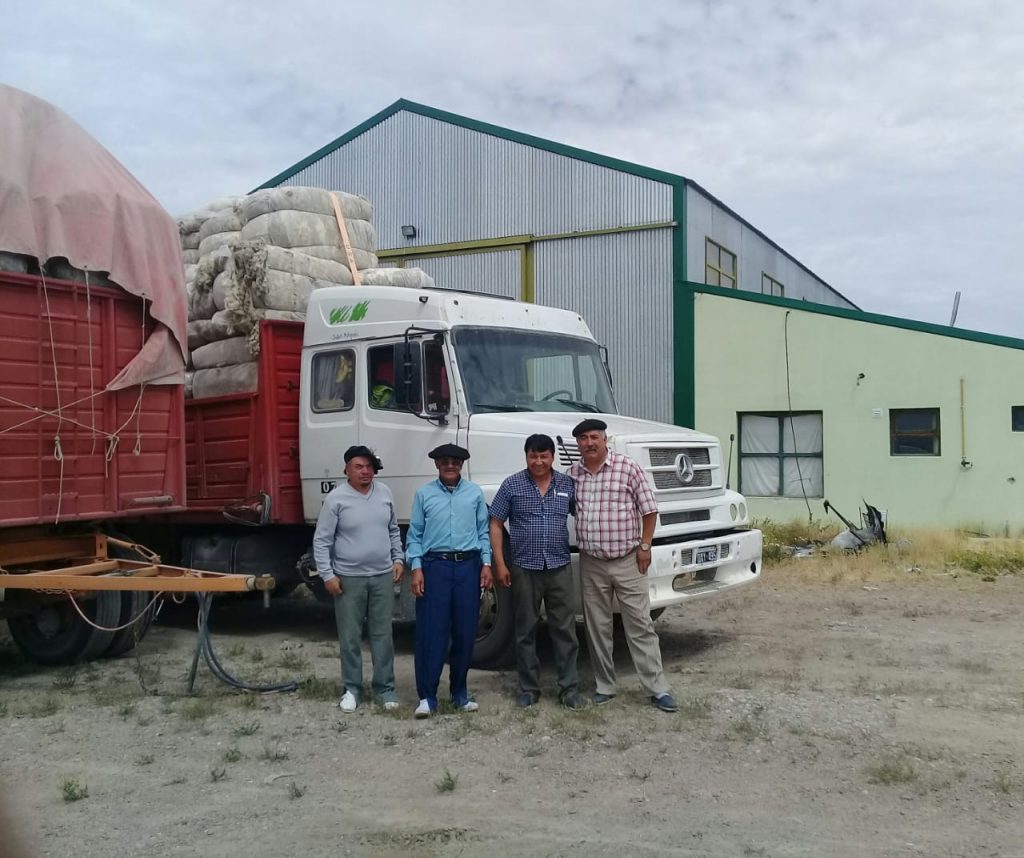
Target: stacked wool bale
[261, 258]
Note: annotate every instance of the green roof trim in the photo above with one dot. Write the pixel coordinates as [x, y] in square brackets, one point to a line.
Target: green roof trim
[483, 128]
[684, 380]
[858, 316]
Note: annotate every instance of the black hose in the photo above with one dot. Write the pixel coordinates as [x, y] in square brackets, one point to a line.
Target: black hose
[217, 669]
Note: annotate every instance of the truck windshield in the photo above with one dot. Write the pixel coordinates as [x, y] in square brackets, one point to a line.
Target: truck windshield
[512, 370]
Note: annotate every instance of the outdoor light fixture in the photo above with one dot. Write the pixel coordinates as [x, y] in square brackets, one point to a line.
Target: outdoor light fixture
[408, 231]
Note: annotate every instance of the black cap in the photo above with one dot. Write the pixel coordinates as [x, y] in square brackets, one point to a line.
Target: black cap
[449, 451]
[360, 451]
[589, 425]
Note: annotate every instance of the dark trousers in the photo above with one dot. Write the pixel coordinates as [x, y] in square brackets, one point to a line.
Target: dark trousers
[446, 620]
[553, 588]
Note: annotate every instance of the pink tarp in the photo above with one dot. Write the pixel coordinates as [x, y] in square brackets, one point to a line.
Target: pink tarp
[63, 195]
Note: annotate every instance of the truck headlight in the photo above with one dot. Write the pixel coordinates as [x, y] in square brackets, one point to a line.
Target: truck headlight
[732, 511]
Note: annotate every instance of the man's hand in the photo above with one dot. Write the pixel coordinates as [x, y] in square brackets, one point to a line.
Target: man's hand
[417, 586]
[502, 575]
[397, 569]
[643, 560]
[486, 582]
[333, 586]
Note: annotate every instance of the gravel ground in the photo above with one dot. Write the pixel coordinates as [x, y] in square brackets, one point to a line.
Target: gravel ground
[849, 718]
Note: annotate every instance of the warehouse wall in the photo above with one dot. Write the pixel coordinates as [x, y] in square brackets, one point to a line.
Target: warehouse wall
[706, 218]
[456, 184]
[902, 368]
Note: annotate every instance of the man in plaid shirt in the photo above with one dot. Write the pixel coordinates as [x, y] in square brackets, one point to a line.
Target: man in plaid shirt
[615, 518]
[536, 502]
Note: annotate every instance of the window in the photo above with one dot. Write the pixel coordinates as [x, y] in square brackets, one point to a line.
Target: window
[1017, 418]
[334, 381]
[781, 454]
[394, 376]
[914, 432]
[719, 265]
[771, 286]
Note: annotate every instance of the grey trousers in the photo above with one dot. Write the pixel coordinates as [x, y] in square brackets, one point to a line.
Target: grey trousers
[553, 588]
[600, 580]
[370, 599]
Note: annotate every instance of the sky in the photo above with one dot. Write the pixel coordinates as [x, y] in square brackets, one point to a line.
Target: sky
[879, 143]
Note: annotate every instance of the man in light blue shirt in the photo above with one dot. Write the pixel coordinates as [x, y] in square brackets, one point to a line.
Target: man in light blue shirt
[357, 547]
[449, 551]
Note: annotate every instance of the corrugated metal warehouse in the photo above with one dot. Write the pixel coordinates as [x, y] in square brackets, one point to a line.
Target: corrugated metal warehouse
[486, 209]
[821, 398]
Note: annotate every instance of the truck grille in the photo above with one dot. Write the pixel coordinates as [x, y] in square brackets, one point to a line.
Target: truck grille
[568, 453]
[666, 456]
[685, 516]
[670, 480]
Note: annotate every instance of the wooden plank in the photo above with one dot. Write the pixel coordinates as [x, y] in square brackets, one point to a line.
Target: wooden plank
[99, 568]
[22, 552]
[343, 229]
[179, 584]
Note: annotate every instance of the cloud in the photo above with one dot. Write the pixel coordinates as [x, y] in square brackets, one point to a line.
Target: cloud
[876, 142]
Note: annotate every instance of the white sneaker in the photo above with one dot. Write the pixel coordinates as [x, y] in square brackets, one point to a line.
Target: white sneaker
[348, 702]
[470, 706]
[423, 710]
[390, 705]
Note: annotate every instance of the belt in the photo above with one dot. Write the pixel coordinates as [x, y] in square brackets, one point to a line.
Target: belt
[456, 556]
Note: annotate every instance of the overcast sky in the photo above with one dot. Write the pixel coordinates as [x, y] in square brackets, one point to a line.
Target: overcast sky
[880, 143]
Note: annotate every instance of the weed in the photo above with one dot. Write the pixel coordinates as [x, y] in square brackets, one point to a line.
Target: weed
[144, 759]
[236, 650]
[854, 609]
[313, 688]
[748, 729]
[126, 710]
[292, 660]
[65, 680]
[534, 749]
[447, 782]
[694, 708]
[232, 755]
[295, 791]
[623, 743]
[179, 779]
[988, 563]
[72, 790]
[504, 777]
[273, 752]
[256, 655]
[388, 740]
[1003, 783]
[43, 708]
[640, 774]
[743, 680]
[340, 726]
[3, 708]
[143, 720]
[218, 773]
[893, 770]
[198, 709]
[55, 729]
[248, 729]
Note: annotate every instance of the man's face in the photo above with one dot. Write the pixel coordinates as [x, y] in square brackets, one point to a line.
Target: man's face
[449, 470]
[359, 471]
[539, 463]
[593, 445]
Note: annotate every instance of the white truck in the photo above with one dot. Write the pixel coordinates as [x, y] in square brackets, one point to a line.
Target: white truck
[403, 370]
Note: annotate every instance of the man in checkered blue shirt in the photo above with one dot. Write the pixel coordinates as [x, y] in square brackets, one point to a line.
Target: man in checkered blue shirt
[536, 502]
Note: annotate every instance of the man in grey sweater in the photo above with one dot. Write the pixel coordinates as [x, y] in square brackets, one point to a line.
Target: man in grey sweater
[358, 552]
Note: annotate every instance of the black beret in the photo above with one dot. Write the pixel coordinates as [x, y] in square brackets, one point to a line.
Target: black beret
[588, 425]
[449, 451]
[360, 451]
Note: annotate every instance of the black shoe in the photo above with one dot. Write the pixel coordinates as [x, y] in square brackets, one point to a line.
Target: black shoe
[573, 700]
[600, 699]
[665, 702]
[526, 699]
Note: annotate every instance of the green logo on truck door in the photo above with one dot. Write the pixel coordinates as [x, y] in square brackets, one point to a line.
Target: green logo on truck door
[349, 313]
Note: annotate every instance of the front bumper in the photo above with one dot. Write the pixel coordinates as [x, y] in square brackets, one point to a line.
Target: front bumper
[675, 576]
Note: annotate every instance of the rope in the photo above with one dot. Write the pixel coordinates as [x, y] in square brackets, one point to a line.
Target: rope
[131, 622]
[58, 452]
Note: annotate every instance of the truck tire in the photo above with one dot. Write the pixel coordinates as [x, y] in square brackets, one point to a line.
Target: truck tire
[53, 633]
[132, 603]
[496, 629]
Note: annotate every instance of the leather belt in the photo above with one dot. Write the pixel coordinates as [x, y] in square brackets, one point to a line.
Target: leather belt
[454, 556]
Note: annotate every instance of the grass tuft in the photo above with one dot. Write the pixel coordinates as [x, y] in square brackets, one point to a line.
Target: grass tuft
[893, 770]
[447, 782]
[72, 790]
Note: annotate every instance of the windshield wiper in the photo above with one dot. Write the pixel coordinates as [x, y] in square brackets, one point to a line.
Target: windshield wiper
[491, 407]
[582, 406]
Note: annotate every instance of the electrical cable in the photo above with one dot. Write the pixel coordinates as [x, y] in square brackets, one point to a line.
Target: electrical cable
[792, 427]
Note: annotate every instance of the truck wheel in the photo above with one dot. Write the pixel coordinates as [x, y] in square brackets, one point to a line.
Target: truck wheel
[656, 612]
[132, 602]
[53, 633]
[495, 630]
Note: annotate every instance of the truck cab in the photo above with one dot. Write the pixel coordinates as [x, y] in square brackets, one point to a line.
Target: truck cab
[404, 370]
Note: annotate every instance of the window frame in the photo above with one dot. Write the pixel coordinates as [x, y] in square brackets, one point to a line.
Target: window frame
[317, 358]
[395, 406]
[720, 273]
[1017, 418]
[894, 413]
[771, 282]
[781, 455]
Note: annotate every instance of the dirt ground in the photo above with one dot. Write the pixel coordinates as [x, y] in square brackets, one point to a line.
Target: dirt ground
[822, 713]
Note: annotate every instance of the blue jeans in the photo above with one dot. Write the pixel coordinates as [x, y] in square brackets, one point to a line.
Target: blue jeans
[446, 620]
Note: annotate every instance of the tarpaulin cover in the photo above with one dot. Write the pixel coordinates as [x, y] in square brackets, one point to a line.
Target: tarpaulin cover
[63, 195]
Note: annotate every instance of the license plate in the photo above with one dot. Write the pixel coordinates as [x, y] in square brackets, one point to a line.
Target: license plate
[708, 554]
